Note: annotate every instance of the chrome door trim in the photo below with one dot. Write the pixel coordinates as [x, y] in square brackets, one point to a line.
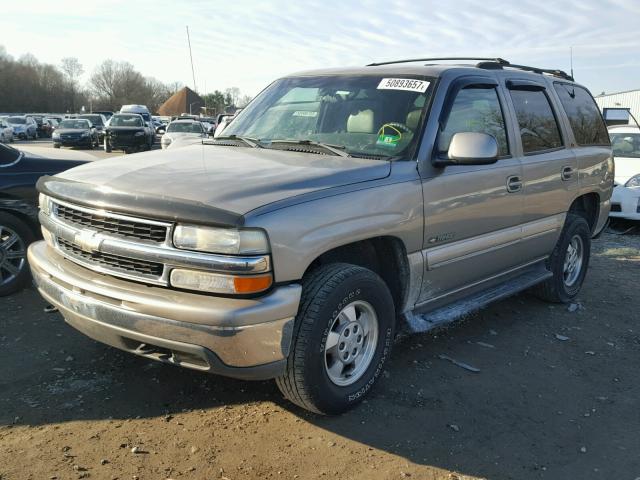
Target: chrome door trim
[470, 247]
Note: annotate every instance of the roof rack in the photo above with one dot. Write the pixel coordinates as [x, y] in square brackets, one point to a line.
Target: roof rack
[438, 59]
[549, 71]
[485, 63]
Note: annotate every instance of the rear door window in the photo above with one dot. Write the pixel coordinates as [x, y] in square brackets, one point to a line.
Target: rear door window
[538, 125]
[585, 119]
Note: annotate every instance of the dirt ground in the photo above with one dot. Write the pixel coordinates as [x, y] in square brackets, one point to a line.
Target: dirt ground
[557, 397]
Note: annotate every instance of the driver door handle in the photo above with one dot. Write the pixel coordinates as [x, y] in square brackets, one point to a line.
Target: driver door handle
[514, 184]
[567, 173]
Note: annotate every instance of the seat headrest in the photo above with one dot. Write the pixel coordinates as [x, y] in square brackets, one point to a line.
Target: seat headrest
[413, 118]
[361, 122]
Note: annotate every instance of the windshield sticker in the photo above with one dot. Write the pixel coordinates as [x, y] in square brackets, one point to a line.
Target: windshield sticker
[389, 139]
[305, 113]
[406, 84]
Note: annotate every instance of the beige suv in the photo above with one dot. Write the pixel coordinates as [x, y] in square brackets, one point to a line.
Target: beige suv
[339, 207]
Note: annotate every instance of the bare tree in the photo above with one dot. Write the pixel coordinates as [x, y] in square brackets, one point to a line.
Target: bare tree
[73, 70]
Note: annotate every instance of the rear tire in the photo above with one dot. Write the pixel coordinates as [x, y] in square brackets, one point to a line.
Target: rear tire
[568, 263]
[342, 336]
[15, 237]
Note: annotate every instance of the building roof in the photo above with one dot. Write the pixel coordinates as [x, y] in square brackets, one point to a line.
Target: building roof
[183, 101]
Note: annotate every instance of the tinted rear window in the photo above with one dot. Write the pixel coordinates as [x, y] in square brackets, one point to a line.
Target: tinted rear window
[538, 125]
[584, 116]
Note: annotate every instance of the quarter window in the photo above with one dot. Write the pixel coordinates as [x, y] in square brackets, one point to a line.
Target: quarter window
[475, 110]
[539, 128]
[584, 116]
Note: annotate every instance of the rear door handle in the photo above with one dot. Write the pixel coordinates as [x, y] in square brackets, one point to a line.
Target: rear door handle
[514, 184]
[567, 173]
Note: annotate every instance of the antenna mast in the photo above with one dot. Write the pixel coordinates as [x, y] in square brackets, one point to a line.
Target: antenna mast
[193, 73]
[571, 60]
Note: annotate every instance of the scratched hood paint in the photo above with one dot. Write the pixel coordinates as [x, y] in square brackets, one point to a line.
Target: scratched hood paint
[236, 179]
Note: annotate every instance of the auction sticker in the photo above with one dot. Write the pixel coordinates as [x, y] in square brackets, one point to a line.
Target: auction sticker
[406, 84]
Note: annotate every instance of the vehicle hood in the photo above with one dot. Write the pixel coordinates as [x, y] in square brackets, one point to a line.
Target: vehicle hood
[176, 135]
[125, 129]
[72, 131]
[231, 179]
[626, 167]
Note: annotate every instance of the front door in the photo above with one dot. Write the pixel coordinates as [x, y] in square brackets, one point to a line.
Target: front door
[472, 213]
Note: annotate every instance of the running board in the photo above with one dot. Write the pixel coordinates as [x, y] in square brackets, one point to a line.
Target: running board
[418, 322]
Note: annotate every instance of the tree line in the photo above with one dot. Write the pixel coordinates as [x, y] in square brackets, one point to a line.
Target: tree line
[27, 85]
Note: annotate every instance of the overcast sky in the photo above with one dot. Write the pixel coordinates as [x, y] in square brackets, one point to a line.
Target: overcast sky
[249, 43]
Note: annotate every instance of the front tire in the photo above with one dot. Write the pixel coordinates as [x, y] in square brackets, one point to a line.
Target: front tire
[568, 262]
[15, 237]
[342, 336]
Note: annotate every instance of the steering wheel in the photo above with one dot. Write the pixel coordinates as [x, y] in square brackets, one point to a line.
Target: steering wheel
[395, 126]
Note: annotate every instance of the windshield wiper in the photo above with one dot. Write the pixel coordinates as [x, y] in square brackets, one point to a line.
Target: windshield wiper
[252, 142]
[335, 149]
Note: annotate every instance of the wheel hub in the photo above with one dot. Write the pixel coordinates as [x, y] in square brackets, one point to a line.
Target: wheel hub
[351, 343]
[573, 261]
[12, 255]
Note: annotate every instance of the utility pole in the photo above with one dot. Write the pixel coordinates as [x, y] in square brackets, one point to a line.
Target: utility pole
[193, 73]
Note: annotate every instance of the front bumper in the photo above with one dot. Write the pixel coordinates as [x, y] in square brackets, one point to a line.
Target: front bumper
[122, 142]
[625, 203]
[241, 338]
[74, 142]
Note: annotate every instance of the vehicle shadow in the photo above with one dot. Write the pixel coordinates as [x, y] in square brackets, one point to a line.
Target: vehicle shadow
[556, 395]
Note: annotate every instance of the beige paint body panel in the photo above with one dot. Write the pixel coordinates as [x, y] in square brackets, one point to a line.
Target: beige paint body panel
[469, 202]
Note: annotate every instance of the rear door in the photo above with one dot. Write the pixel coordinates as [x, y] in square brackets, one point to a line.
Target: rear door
[549, 165]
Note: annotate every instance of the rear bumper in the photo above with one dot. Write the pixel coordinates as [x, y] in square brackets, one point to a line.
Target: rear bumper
[241, 338]
[625, 203]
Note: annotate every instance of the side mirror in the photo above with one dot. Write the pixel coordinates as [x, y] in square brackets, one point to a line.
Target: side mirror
[471, 148]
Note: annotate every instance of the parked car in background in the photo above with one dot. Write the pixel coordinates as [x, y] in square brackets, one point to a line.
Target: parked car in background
[75, 132]
[98, 121]
[625, 201]
[45, 129]
[53, 122]
[105, 113]
[128, 132]
[144, 112]
[24, 127]
[183, 132]
[19, 172]
[6, 131]
[340, 207]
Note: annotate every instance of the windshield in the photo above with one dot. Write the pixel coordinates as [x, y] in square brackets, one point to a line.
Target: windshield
[625, 144]
[17, 120]
[184, 127]
[78, 124]
[126, 121]
[94, 119]
[367, 115]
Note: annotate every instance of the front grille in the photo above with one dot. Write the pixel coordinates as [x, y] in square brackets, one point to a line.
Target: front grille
[615, 207]
[113, 262]
[114, 225]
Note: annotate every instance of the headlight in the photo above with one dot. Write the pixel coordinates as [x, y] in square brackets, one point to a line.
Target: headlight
[138, 134]
[55, 135]
[44, 203]
[633, 181]
[221, 240]
[220, 283]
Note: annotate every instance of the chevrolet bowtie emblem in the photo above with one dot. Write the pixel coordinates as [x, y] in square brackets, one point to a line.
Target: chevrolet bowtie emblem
[88, 240]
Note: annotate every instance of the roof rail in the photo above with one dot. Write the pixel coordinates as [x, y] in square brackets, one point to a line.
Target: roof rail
[495, 63]
[500, 65]
[438, 59]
